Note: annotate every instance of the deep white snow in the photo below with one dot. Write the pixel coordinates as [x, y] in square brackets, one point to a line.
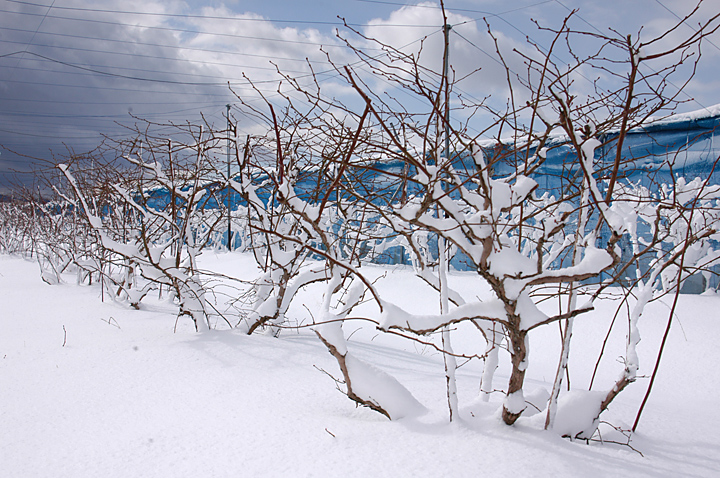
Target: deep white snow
[93, 389]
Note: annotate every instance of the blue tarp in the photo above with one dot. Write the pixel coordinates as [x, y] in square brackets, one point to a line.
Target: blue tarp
[652, 155]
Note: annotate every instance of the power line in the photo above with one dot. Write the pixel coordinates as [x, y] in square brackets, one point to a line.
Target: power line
[207, 17]
[35, 33]
[482, 50]
[63, 116]
[80, 116]
[145, 79]
[686, 23]
[137, 78]
[52, 60]
[666, 79]
[42, 61]
[30, 133]
[180, 30]
[49, 136]
[155, 92]
[150, 56]
[118, 75]
[173, 47]
[139, 55]
[94, 103]
[450, 9]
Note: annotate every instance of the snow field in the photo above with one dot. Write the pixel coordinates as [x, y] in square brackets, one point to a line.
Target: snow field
[129, 396]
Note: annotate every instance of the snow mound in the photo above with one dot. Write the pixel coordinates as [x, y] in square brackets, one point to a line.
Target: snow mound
[377, 386]
[578, 412]
[537, 401]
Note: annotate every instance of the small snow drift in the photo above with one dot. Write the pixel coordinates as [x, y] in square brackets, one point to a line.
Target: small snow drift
[382, 389]
[366, 384]
[578, 412]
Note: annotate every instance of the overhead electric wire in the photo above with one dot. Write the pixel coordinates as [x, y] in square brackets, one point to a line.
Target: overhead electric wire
[48, 115]
[130, 77]
[143, 70]
[179, 30]
[215, 17]
[685, 23]
[139, 43]
[118, 75]
[452, 9]
[105, 73]
[155, 92]
[172, 47]
[492, 57]
[37, 29]
[151, 80]
[93, 103]
[99, 118]
[666, 79]
[49, 136]
[148, 79]
[137, 55]
[93, 69]
[131, 54]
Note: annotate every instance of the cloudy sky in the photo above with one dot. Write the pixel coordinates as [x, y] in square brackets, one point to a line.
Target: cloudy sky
[74, 70]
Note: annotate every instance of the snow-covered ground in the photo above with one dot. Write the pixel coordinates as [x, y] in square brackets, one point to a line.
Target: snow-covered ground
[91, 388]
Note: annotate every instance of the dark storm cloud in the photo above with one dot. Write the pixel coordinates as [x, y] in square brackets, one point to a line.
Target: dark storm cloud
[67, 77]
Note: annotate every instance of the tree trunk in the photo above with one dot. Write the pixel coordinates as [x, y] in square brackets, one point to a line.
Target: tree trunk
[515, 401]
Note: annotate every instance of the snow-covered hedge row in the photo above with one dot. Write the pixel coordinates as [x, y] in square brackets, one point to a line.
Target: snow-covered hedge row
[315, 211]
